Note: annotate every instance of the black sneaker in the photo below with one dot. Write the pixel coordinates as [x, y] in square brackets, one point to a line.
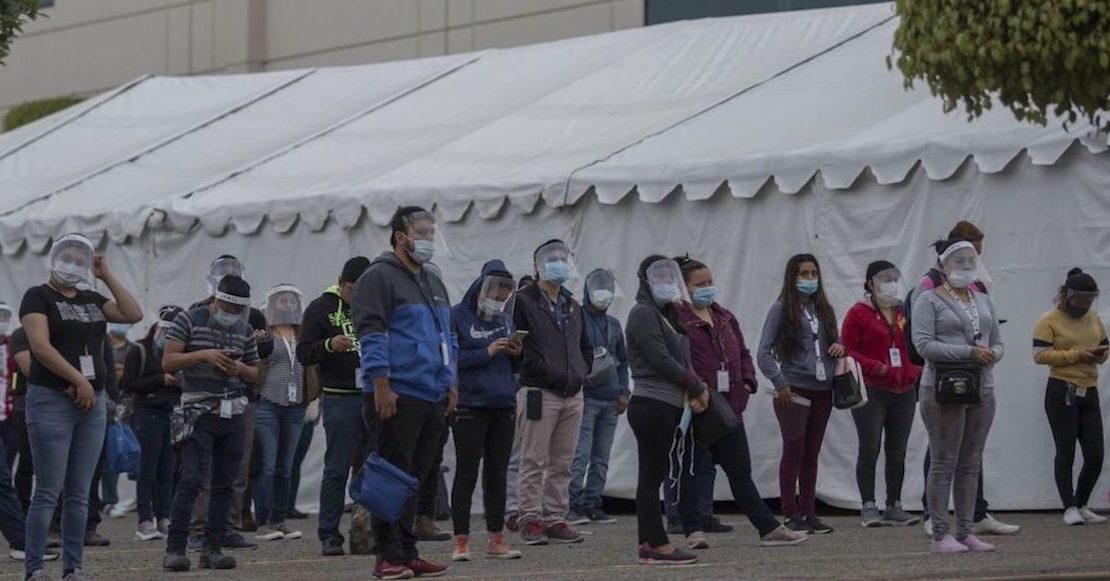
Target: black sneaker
[674, 527]
[332, 548]
[214, 559]
[176, 561]
[797, 524]
[817, 527]
[236, 541]
[649, 556]
[296, 515]
[714, 525]
[598, 516]
[94, 539]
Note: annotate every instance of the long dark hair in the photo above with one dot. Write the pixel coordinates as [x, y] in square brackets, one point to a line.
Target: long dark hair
[789, 342]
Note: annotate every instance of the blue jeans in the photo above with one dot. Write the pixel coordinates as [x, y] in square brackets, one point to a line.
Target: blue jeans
[66, 444]
[277, 431]
[11, 512]
[216, 444]
[591, 458]
[345, 432]
[303, 444]
[705, 475]
[154, 490]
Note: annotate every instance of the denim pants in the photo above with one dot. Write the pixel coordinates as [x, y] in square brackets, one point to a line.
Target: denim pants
[345, 433]
[154, 490]
[303, 444]
[66, 443]
[12, 525]
[277, 430]
[591, 458]
[217, 445]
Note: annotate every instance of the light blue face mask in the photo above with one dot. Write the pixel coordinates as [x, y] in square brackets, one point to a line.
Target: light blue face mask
[556, 271]
[665, 292]
[118, 329]
[704, 296]
[225, 319]
[808, 286]
[687, 417]
[423, 250]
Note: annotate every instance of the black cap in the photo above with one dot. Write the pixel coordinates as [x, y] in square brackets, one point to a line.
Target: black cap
[236, 287]
[1080, 281]
[354, 268]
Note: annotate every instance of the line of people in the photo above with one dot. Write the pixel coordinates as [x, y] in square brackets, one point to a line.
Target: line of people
[531, 383]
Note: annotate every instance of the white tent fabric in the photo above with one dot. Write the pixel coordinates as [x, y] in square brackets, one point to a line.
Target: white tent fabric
[708, 122]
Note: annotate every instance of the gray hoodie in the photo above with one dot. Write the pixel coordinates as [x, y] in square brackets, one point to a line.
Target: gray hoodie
[801, 369]
[942, 332]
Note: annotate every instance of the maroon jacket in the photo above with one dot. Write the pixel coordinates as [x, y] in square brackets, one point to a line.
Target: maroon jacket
[721, 346]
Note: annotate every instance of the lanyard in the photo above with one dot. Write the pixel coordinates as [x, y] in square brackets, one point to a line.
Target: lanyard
[970, 308]
[291, 348]
[815, 326]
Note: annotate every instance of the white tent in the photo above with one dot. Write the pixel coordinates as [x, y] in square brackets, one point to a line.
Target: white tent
[739, 140]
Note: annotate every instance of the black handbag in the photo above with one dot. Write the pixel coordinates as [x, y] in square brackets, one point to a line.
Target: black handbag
[717, 421]
[958, 382]
[848, 392]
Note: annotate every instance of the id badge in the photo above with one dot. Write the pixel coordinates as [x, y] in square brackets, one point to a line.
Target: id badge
[446, 351]
[292, 392]
[1081, 392]
[225, 409]
[895, 357]
[723, 381]
[88, 368]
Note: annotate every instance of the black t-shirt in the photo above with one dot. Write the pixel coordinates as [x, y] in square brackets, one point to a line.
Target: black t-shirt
[17, 343]
[77, 327]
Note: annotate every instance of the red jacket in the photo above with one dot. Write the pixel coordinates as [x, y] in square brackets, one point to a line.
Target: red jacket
[721, 346]
[869, 338]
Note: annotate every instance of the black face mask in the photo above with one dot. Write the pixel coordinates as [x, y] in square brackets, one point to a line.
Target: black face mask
[1076, 312]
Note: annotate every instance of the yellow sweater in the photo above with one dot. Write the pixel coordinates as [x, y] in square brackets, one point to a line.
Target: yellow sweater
[1057, 341]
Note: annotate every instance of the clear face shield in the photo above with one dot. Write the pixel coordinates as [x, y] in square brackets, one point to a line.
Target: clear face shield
[887, 287]
[961, 265]
[229, 310]
[555, 264]
[667, 286]
[494, 296]
[284, 305]
[1078, 303]
[5, 319]
[420, 229]
[602, 288]
[71, 261]
[220, 268]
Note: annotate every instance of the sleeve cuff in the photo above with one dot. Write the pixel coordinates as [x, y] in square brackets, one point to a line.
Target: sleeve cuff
[779, 381]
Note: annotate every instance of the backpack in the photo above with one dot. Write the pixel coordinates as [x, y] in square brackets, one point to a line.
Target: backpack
[911, 349]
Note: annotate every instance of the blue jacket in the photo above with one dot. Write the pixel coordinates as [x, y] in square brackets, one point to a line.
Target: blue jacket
[484, 382]
[404, 324]
[605, 331]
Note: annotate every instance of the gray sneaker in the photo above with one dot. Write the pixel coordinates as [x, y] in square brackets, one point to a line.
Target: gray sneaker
[870, 517]
[287, 533]
[77, 575]
[575, 518]
[895, 516]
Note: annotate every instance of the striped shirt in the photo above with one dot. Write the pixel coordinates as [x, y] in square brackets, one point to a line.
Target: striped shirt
[197, 333]
[282, 374]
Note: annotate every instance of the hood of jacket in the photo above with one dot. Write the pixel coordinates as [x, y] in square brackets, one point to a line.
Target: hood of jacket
[470, 299]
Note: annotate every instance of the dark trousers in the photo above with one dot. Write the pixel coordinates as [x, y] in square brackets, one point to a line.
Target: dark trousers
[705, 479]
[217, 445]
[345, 433]
[653, 423]
[432, 485]
[9, 437]
[12, 525]
[24, 469]
[410, 440]
[303, 444]
[733, 455]
[892, 414]
[803, 433]
[1080, 420]
[154, 489]
[482, 435]
[981, 506]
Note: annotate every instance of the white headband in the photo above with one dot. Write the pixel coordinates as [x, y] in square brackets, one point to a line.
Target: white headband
[232, 299]
[952, 249]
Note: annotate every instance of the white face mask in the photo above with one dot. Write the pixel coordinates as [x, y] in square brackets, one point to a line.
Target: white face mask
[4, 326]
[601, 299]
[68, 274]
[961, 278]
[889, 294]
[493, 307]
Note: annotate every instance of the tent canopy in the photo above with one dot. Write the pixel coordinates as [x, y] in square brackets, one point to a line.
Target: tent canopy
[692, 106]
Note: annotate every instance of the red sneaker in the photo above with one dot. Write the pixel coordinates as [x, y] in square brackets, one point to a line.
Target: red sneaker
[387, 570]
[422, 568]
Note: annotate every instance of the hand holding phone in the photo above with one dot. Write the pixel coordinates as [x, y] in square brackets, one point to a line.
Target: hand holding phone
[518, 337]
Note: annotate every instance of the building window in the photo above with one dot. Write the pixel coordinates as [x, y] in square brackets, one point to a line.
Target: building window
[659, 11]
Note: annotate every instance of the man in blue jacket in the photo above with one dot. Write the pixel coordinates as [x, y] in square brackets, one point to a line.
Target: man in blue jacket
[403, 316]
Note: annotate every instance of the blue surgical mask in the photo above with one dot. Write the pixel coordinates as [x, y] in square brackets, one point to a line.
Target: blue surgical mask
[704, 296]
[556, 271]
[225, 319]
[807, 286]
[118, 329]
[423, 250]
[665, 292]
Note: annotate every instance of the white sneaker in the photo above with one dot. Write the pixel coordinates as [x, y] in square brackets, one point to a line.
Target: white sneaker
[22, 555]
[1090, 517]
[990, 526]
[696, 540]
[928, 526]
[117, 511]
[1072, 517]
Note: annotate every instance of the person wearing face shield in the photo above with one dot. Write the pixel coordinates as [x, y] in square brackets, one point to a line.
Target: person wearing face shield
[1071, 340]
[214, 347]
[556, 366]
[329, 344]
[66, 420]
[483, 424]
[154, 393]
[606, 397]
[872, 333]
[408, 351]
[955, 325]
[798, 353]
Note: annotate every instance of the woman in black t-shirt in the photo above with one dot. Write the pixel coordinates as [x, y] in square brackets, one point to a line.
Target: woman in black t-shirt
[66, 325]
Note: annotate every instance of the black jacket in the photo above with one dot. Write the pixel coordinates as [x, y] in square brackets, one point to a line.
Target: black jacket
[557, 357]
[146, 382]
[326, 317]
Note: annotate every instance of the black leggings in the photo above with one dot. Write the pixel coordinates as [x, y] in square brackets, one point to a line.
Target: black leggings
[1082, 421]
[893, 414]
[482, 435]
[653, 423]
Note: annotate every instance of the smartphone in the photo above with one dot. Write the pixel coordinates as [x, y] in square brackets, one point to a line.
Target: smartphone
[518, 337]
[534, 405]
[233, 353]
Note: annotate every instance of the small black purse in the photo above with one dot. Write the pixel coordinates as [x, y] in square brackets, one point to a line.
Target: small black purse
[717, 421]
[958, 382]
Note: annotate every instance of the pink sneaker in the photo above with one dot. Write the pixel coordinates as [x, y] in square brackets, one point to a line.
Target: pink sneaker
[948, 545]
[976, 544]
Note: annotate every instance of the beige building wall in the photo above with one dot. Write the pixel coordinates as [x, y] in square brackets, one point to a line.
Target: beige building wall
[87, 46]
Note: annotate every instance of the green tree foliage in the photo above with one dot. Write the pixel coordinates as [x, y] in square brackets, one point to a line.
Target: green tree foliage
[13, 13]
[25, 113]
[1038, 57]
